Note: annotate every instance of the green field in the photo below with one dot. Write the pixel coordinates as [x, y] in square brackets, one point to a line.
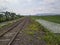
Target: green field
[55, 19]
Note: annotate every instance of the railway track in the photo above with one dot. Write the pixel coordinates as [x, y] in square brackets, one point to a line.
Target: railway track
[10, 27]
[8, 37]
[18, 37]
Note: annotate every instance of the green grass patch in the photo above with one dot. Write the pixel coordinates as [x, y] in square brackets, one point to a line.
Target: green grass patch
[50, 37]
[55, 19]
[8, 23]
[32, 28]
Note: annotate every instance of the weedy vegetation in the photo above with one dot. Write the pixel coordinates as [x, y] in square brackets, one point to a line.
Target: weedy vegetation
[49, 37]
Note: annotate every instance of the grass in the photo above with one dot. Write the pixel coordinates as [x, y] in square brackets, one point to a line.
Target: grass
[5, 25]
[32, 32]
[32, 28]
[8, 23]
[49, 37]
[55, 19]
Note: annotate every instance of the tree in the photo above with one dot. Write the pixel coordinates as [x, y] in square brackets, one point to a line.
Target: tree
[7, 14]
[13, 15]
[1, 16]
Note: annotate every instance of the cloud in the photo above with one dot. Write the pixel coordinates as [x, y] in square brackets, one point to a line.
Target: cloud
[31, 6]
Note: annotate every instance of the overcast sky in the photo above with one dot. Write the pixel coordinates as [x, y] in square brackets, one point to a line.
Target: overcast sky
[30, 6]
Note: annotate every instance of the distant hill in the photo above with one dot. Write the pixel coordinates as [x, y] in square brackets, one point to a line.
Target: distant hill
[46, 14]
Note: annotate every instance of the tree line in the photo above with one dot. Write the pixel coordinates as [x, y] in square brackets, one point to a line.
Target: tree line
[6, 16]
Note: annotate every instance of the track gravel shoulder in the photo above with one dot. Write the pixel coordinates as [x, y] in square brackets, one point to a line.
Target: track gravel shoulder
[53, 27]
